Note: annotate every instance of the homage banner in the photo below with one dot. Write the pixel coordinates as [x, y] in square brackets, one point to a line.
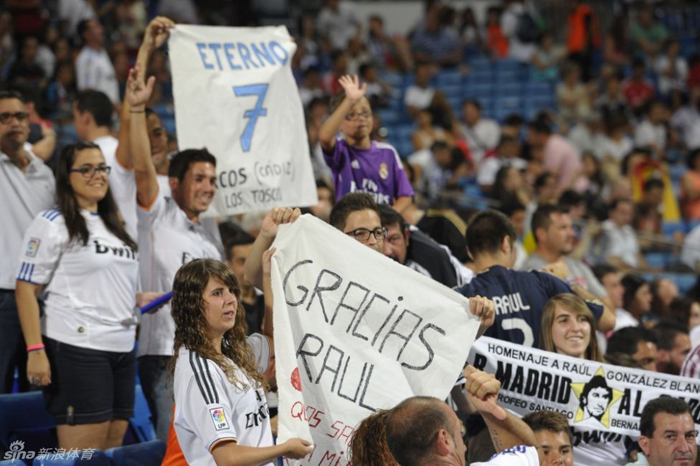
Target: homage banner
[592, 395]
[355, 332]
[235, 95]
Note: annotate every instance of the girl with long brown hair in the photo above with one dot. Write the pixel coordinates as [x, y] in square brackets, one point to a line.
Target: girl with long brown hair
[221, 415]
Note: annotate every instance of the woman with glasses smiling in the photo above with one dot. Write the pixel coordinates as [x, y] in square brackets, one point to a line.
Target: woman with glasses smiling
[79, 257]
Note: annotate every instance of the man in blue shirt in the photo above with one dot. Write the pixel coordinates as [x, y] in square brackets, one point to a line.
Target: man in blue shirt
[519, 296]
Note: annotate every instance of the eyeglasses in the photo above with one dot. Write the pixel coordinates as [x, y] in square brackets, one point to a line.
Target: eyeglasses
[5, 117]
[88, 171]
[354, 116]
[363, 234]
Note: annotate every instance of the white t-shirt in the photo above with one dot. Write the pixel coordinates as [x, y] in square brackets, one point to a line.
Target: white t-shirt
[210, 409]
[647, 133]
[690, 255]
[338, 26]
[122, 183]
[595, 448]
[623, 319]
[687, 122]
[616, 149]
[94, 70]
[489, 168]
[481, 138]
[23, 195]
[666, 84]
[516, 456]
[620, 242]
[167, 240]
[90, 289]
[418, 97]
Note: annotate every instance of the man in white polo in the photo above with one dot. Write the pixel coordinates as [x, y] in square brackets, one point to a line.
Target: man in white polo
[27, 187]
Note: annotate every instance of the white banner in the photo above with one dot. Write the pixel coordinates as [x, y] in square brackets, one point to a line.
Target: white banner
[593, 396]
[235, 95]
[356, 331]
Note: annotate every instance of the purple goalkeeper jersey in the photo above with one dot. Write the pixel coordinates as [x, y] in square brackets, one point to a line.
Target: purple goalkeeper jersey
[376, 170]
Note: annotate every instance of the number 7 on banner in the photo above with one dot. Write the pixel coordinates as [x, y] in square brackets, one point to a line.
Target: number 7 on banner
[259, 90]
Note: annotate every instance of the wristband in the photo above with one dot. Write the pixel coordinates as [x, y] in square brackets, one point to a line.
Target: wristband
[35, 348]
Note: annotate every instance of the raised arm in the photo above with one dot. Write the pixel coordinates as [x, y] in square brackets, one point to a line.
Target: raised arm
[268, 232]
[353, 93]
[506, 430]
[156, 34]
[268, 322]
[137, 94]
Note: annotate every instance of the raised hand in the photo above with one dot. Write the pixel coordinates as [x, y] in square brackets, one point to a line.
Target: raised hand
[482, 392]
[277, 216]
[138, 92]
[157, 32]
[353, 90]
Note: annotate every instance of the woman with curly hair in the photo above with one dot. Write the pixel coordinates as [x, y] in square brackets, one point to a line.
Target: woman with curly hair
[368, 445]
[221, 415]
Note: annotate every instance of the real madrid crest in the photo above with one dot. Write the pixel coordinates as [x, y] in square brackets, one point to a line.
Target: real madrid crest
[383, 171]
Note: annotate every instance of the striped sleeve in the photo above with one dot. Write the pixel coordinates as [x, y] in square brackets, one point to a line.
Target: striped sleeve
[41, 247]
[202, 397]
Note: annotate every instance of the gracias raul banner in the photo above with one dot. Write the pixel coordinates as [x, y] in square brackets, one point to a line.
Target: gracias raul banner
[592, 395]
[355, 332]
[235, 95]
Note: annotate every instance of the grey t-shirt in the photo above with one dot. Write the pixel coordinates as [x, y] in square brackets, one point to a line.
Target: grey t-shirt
[583, 275]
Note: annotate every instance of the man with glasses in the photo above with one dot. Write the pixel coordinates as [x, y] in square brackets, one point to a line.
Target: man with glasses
[668, 435]
[27, 187]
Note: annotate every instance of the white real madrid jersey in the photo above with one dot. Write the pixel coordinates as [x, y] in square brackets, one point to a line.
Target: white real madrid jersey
[90, 290]
[209, 409]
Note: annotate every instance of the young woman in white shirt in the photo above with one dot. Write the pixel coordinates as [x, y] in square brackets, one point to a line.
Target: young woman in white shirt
[85, 264]
[221, 415]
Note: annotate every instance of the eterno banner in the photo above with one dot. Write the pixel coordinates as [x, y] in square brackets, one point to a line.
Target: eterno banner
[593, 396]
[235, 95]
[354, 332]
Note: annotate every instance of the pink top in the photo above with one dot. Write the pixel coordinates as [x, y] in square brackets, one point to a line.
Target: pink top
[564, 161]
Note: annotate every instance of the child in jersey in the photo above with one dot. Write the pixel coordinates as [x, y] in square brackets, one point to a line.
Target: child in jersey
[220, 406]
[357, 162]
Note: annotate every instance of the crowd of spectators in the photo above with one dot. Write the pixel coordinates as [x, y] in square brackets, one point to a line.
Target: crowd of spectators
[598, 187]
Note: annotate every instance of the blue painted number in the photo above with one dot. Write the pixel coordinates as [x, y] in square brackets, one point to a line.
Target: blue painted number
[258, 90]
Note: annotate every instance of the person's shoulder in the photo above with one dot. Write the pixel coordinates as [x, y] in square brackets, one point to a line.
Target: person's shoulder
[52, 216]
[386, 147]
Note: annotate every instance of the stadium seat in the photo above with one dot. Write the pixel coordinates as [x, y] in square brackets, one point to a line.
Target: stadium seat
[141, 425]
[480, 64]
[140, 454]
[20, 414]
[507, 89]
[452, 90]
[669, 228]
[76, 458]
[658, 259]
[537, 89]
[394, 79]
[12, 463]
[449, 78]
[169, 124]
[388, 116]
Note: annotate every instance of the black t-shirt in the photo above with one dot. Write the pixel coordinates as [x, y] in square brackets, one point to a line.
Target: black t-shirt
[432, 257]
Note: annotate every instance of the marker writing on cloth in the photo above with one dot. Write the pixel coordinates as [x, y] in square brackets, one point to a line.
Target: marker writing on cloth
[156, 302]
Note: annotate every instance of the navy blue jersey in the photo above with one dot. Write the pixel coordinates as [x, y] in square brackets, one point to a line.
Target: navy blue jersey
[520, 298]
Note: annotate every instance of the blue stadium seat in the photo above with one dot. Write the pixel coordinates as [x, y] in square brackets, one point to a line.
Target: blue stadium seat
[395, 79]
[388, 116]
[140, 454]
[479, 91]
[169, 124]
[404, 147]
[164, 110]
[449, 78]
[20, 414]
[684, 281]
[480, 64]
[658, 259]
[396, 104]
[84, 458]
[669, 228]
[479, 77]
[451, 90]
[141, 425]
[508, 64]
[509, 77]
[677, 171]
[507, 89]
[12, 463]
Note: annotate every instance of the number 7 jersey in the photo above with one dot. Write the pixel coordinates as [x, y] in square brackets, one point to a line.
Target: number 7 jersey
[520, 298]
